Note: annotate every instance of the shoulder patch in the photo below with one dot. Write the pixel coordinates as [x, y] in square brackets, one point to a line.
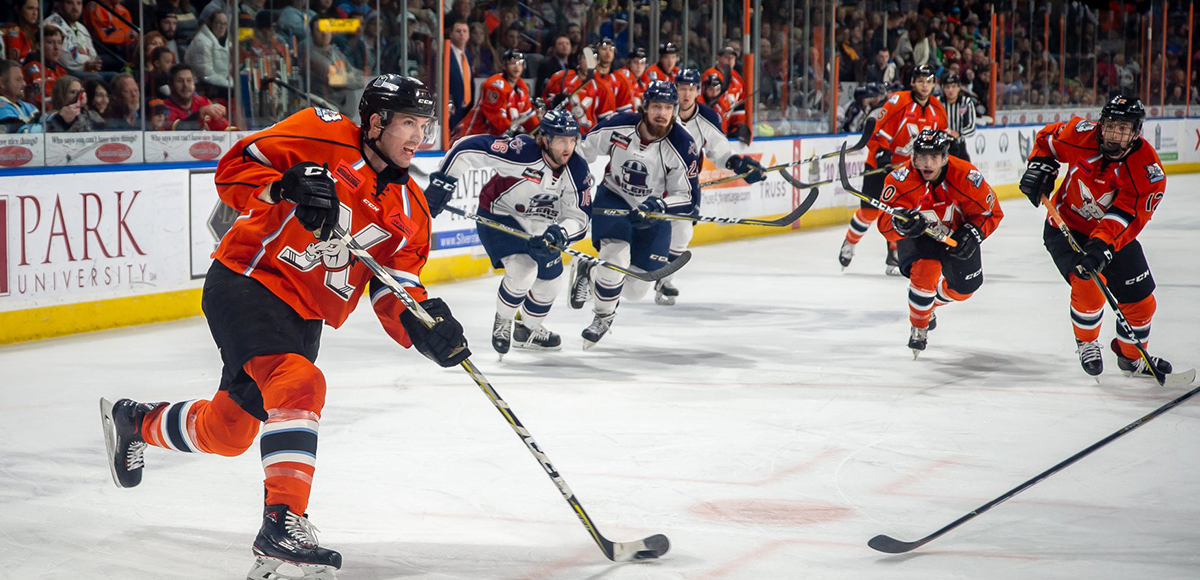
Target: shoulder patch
[1154, 173]
[1084, 126]
[975, 177]
[895, 98]
[499, 84]
[900, 173]
[327, 115]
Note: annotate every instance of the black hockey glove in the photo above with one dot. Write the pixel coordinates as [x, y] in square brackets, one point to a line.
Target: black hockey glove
[440, 192]
[1096, 255]
[443, 344]
[1038, 179]
[539, 246]
[639, 217]
[741, 164]
[311, 188]
[909, 222]
[883, 157]
[968, 238]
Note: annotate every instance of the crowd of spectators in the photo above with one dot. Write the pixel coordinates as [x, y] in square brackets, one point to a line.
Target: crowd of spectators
[121, 60]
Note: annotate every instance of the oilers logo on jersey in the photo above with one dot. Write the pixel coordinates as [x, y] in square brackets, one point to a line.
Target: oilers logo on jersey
[633, 176]
[543, 205]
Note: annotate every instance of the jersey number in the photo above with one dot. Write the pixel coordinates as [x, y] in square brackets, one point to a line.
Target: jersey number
[334, 255]
[889, 192]
[1153, 201]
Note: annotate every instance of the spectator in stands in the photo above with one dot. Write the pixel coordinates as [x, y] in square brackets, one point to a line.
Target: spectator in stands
[1126, 73]
[333, 79]
[881, 69]
[153, 40]
[21, 36]
[115, 39]
[511, 40]
[188, 111]
[72, 114]
[354, 45]
[461, 79]
[265, 47]
[187, 23]
[293, 22]
[97, 95]
[480, 53]
[125, 108]
[460, 10]
[158, 76]
[208, 55]
[36, 67]
[558, 59]
[16, 115]
[78, 52]
[617, 28]
[249, 8]
[167, 25]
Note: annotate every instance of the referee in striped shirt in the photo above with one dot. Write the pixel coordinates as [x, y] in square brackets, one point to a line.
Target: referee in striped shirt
[960, 114]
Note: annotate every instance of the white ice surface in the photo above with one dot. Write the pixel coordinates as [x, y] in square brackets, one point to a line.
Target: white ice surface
[770, 424]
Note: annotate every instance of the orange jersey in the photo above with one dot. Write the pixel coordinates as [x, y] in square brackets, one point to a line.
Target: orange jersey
[320, 280]
[107, 28]
[656, 73]
[898, 123]
[733, 85]
[636, 87]
[17, 44]
[33, 74]
[1105, 199]
[593, 100]
[501, 104]
[622, 92]
[961, 197]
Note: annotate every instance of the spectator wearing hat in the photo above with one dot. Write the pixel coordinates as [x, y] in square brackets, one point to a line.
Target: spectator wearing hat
[664, 69]
[78, 52]
[632, 72]
[167, 26]
[731, 79]
[606, 53]
[208, 55]
[185, 25]
[293, 22]
[187, 110]
[157, 114]
[505, 104]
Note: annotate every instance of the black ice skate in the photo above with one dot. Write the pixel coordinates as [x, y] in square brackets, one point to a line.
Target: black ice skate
[581, 282]
[502, 335]
[932, 321]
[597, 329]
[892, 262]
[535, 339]
[917, 339]
[665, 293]
[1090, 356]
[846, 255]
[1137, 366]
[122, 422]
[289, 539]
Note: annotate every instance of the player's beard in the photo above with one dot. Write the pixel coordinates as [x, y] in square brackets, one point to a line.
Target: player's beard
[657, 132]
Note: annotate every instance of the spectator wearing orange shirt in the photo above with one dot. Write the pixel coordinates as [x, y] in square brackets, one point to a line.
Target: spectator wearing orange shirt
[21, 36]
[36, 67]
[112, 28]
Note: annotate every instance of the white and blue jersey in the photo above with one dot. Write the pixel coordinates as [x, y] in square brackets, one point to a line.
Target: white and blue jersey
[666, 167]
[705, 127]
[525, 188]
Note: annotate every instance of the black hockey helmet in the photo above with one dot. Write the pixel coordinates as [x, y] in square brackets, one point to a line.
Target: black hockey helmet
[512, 54]
[868, 91]
[389, 94]
[921, 72]
[688, 76]
[713, 80]
[951, 78]
[668, 48]
[1121, 108]
[637, 53]
[932, 142]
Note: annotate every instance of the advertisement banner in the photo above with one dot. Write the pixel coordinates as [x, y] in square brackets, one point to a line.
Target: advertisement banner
[22, 150]
[104, 148]
[187, 146]
[81, 237]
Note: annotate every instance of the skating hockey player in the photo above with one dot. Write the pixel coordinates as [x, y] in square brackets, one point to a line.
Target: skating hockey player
[903, 116]
[278, 276]
[949, 196]
[653, 168]
[704, 125]
[1114, 183]
[541, 187]
[505, 105]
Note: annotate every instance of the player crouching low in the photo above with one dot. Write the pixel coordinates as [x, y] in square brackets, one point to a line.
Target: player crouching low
[949, 196]
[541, 187]
[1114, 183]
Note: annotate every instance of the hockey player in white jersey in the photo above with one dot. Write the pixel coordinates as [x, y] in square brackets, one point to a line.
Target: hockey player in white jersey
[542, 187]
[653, 168]
[704, 125]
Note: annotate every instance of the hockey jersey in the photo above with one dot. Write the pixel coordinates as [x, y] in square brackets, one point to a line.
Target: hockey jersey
[733, 83]
[588, 104]
[386, 213]
[622, 91]
[636, 87]
[705, 128]
[959, 197]
[1102, 198]
[502, 103]
[524, 187]
[655, 73]
[898, 123]
[668, 167]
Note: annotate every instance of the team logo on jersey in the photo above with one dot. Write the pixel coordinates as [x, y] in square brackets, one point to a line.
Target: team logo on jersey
[1084, 126]
[693, 149]
[543, 205]
[327, 115]
[493, 97]
[533, 175]
[634, 174]
[900, 173]
[1090, 207]
[1154, 173]
[620, 140]
[975, 177]
[333, 255]
[895, 98]
[516, 145]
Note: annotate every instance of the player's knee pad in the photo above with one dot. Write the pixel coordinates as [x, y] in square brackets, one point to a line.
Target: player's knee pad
[1085, 295]
[681, 236]
[615, 252]
[519, 271]
[1139, 313]
[947, 293]
[635, 289]
[924, 274]
[546, 289]
[288, 381]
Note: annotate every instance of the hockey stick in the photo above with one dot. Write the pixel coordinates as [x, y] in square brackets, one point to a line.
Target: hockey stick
[1172, 380]
[645, 549]
[797, 183]
[654, 276]
[777, 222]
[875, 203]
[890, 545]
[868, 132]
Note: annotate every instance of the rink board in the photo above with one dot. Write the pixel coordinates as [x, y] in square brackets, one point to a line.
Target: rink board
[88, 251]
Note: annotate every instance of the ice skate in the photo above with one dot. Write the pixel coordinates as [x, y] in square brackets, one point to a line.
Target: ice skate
[580, 289]
[1137, 367]
[917, 339]
[539, 338]
[502, 335]
[665, 293]
[122, 422]
[597, 329]
[1090, 357]
[892, 263]
[290, 540]
[846, 254]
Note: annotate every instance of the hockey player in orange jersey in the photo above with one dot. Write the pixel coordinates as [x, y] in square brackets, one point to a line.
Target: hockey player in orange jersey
[591, 103]
[903, 116]
[505, 104]
[277, 278]
[664, 69]
[635, 66]
[1114, 182]
[949, 196]
[606, 53]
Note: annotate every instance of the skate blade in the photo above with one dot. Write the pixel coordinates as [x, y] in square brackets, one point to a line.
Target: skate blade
[266, 568]
[587, 344]
[892, 271]
[916, 353]
[110, 437]
[536, 347]
[664, 300]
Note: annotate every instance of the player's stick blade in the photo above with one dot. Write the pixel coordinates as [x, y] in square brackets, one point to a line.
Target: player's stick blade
[890, 545]
[649, 548]
[1179, 380]
[673, 266]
